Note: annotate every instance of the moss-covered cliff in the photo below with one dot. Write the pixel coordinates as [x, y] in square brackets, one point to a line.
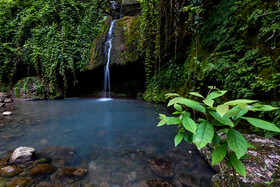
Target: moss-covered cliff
[231, 44]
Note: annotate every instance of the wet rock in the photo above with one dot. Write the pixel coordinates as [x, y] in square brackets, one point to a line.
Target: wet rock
[3, 162]
[41, 169]
[43, 142]
[2, 125]
[154, 183]
[8, 100]
[161, 166]
[188, 179]
[65, 153]
[44, 184]
[22, 155]
[2, 104]
[10, 171]
[59, 163]
[20, 182]
[7, 113]
[72, 172]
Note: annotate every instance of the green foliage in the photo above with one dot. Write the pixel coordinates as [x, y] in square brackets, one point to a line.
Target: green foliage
[217, 125]
[49, 38]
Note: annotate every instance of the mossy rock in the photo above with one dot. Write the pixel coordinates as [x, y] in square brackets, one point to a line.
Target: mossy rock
[35, 88]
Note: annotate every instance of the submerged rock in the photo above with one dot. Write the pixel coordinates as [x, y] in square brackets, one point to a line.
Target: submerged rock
[10, 171]
[22, 155]
[72, 172]
[41, 169]
[188, 179]
[161, 166]
[20, 182]
[154, 183]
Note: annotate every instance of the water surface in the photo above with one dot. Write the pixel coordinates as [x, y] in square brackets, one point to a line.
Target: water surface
[114, 139]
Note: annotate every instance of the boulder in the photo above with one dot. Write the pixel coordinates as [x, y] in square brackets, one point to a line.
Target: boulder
[10, 171]
[7, 113]
[41, 169]
[8, 100]
[72, 172]
[154, 183]
[162, 167]
[4, 95]
[263, 161]
[35, 88]
[2, 104]
[22, 155]
[20, 182]
[130, 7]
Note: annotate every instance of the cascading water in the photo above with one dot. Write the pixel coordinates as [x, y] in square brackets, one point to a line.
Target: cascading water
[108, 47]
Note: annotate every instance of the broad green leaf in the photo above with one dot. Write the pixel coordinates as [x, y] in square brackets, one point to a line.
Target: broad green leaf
[172, 121]
[237, 142]
[262, 124]
[208, 102]
[178, 107]
[216, 139]
[211, 87]
[241, 113]
[237, 165]
[162, 116]
[224, 120]
[186, 113]
[204, 134]
[174, 101]
[192, 104]
[240, 101]
[216, 94]
[222, 109]
[161, 123]
[216, 123]
[171, 95]
[176, 112]
[260, 107]
[200, 120]
[188, 137]
[189, 124]
[219, 154]
[233, 112]
[178, 138]
[250, 146]
[196, 94]
[222, 130]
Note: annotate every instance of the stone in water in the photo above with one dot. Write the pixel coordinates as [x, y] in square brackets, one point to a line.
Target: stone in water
[22, 155]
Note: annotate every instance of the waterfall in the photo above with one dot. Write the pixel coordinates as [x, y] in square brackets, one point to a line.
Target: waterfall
[108, 47]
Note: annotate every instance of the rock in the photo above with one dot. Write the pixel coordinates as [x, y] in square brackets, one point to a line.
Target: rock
[59, 162]
[4, 95]
[65, 153]
[188, 180]
[7, 113]
[154, 183]
[8, 100]
[10, 171]
[20, 182]
[161, 167]
[2, 104]
[131, 177]
[263, 161]
[36, 88]
[41, 169]
[22, 155]
[130, 7]
[2, 125]
[44, 184]
[72, 172]
[3, 162]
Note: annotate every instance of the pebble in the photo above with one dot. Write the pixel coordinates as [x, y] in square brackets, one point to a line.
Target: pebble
[7, 113]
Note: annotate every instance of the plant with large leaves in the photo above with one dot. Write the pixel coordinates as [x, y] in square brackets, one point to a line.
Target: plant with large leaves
[217, 121]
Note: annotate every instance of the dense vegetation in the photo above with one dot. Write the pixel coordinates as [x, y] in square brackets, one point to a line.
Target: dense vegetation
[228, 43]
[47, 38]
